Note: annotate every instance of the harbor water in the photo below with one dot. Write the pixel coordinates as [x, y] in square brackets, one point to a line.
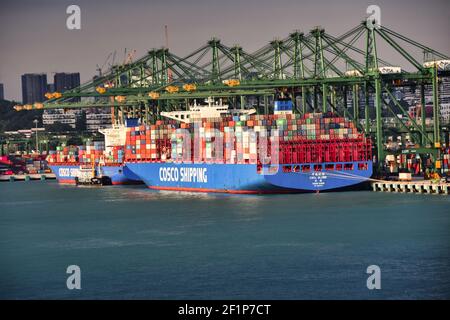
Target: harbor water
[134, 243]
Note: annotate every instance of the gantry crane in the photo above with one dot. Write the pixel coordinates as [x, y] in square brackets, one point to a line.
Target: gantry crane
[320, 72]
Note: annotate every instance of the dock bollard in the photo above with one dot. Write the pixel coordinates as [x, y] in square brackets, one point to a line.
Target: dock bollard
[417, 188]
[27, 178]
[43, 177]
[11, 179]
[412, 187]
[396, 187]
[436, 189]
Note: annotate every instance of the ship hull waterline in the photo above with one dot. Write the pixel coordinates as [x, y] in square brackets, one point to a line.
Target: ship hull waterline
[244, 178]
[119, 174]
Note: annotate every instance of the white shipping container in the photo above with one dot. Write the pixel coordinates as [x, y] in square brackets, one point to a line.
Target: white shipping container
[405, 176]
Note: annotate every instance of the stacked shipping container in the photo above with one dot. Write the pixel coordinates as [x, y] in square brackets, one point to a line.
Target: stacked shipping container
[149, 142]
[445, 161]
[93, 151]
[303, 139]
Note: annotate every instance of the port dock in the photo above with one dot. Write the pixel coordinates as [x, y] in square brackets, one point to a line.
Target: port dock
[426, 187]
[27, 177]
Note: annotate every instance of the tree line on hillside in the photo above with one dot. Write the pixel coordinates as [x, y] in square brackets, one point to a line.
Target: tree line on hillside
[12, 120]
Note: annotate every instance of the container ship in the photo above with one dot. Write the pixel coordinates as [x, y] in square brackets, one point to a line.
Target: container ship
[92, 163]
[212, 148]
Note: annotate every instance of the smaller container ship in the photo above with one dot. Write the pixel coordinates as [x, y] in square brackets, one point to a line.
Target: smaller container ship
[93, 163]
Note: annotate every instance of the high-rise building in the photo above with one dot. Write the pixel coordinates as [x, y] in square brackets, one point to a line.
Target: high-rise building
[72, 117]
[444, 99]
[2, 93]
[34, 87]
[98, 118]
[51, 87]
[64, 81]
[412, 97]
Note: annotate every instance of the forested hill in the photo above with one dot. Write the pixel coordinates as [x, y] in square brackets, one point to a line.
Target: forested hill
[11, 120]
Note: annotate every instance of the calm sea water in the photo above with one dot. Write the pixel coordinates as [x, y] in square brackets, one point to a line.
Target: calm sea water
[131, 242]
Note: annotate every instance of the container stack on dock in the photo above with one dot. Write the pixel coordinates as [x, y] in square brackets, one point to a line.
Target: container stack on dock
[445, 161]
[309, 138]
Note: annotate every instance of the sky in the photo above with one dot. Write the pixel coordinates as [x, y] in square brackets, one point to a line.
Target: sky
[34, 37]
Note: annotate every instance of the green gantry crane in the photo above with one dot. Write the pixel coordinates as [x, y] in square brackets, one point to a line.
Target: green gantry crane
[320, 73]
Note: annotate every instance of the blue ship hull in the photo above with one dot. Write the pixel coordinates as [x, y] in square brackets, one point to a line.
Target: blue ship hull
[119, 174]
[245, 178]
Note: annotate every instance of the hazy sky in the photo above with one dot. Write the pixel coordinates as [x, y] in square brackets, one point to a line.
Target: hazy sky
[34, 37]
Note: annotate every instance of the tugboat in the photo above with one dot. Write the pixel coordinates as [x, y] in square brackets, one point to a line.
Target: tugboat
[66, 161]
[89, 175]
